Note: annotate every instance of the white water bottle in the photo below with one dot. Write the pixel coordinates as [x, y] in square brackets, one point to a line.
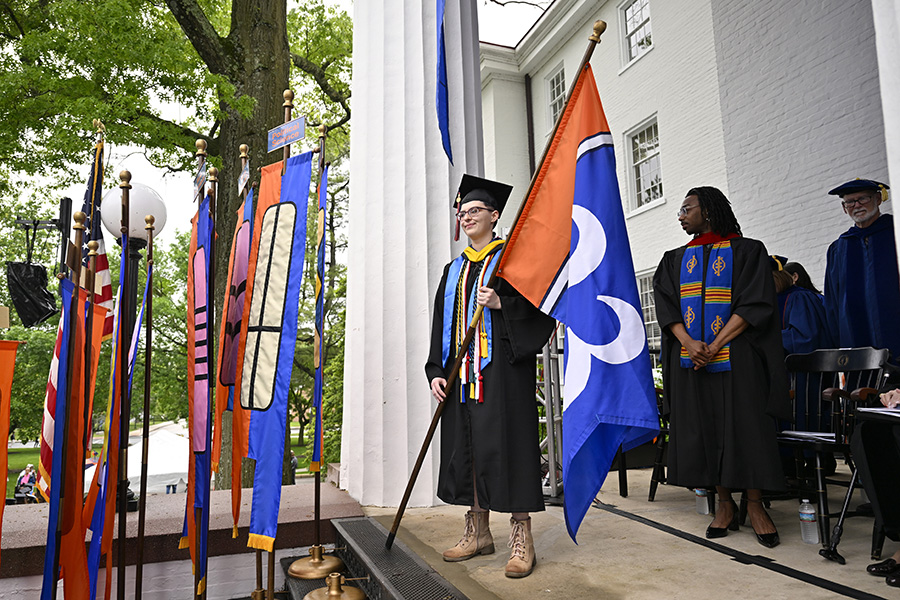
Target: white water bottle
[809, 530]
[702, 504]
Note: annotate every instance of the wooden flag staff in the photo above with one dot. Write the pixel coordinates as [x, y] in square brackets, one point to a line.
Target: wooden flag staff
[145, 434]
[593, 40]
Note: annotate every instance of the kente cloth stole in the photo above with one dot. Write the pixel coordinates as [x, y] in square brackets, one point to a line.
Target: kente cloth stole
[459, 311]
[705, 310]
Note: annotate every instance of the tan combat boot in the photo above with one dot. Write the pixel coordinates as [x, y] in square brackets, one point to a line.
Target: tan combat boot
[521, 557]
[475, 540]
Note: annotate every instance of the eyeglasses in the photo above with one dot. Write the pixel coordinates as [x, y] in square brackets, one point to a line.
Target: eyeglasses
[684, 210]
[860, 201]
[471, 213]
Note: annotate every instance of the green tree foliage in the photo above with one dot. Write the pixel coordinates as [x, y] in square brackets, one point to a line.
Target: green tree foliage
[161, 74]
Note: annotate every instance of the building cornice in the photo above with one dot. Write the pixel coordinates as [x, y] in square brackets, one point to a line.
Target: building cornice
[547, 36]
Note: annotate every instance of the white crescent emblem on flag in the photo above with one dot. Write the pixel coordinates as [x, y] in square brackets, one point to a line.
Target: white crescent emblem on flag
[629, 343]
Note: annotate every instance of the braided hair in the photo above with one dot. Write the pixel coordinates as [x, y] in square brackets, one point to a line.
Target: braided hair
[717, 208]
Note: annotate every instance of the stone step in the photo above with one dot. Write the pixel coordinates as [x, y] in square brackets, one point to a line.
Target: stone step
[395, 574]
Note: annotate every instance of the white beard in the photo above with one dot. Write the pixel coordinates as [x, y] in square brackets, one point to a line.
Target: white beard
[861, 217]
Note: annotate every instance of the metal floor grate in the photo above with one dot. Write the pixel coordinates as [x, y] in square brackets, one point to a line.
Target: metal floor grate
[395, 574]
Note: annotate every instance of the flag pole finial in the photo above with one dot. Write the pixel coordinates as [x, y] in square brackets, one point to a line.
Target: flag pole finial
[99, 126]
[323, 130]
[213, 174]
[125, 177]
[599, 28]
[245, 150]
[201, 147]
[288, 99]
[79, 218]
[149, 220]
[93, 245]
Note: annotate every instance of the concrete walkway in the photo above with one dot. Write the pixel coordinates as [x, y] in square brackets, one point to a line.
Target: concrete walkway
[635, 549]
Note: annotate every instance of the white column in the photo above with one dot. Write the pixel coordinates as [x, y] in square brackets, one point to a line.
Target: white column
[886, 15]
[400, 232]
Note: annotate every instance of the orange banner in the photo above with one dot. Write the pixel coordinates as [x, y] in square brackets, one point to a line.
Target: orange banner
[7, 367]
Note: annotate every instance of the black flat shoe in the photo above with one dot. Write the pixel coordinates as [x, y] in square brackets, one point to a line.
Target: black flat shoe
[884, 568]
[720, 532]
[893, 580]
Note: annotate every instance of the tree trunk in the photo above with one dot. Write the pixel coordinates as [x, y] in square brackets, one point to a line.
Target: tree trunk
[256, 62]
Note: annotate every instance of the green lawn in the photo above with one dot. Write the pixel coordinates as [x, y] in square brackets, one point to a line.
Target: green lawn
[18, 458]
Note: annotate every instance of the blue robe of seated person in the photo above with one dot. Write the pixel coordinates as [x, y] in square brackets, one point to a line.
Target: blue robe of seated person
[803, 324]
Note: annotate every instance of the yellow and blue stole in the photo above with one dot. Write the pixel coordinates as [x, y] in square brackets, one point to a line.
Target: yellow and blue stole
[706, 308]
[459, 310]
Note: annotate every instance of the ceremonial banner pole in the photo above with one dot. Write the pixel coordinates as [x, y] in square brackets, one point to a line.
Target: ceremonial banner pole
[210, 341]
[75, 268]
[199, 189]
[318, 565]
[259, 592]
[594, 39]
[145, 435]
[125, 334]
[288, 96]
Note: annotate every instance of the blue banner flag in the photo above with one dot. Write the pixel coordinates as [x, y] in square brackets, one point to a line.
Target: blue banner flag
[442, 100]
[67, 289]
[271, 337]
[569, 255]
[316, 460]
[201, 399]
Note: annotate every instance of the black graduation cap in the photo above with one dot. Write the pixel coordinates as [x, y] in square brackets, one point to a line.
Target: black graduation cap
[492, 193]
[777, 262]
[858, 185]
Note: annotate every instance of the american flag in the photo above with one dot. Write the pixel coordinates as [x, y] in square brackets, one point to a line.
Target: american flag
[102, 280]
[102, 296]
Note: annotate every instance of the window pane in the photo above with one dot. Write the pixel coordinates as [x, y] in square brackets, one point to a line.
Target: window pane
[646, 168]
[637, 28]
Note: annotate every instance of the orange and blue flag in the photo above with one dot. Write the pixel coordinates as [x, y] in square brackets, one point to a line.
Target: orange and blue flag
[268, 360]
[569, 255]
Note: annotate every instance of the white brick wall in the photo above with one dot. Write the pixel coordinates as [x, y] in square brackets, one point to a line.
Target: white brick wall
[802, 114]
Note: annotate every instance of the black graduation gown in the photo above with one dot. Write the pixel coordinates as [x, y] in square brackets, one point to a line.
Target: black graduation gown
[500, 435]
[722, 430]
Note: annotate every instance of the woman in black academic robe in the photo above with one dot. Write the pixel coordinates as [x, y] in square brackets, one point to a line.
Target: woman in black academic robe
[722, 429]
[490, 455]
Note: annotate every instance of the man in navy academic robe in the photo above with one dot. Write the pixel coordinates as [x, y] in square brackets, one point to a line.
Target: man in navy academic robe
[862, 286]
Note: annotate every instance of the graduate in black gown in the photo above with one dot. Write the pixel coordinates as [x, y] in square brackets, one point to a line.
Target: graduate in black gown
[490, 455]
[722, 362]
